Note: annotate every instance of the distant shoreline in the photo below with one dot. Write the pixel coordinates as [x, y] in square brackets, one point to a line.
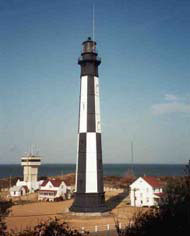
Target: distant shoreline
[121, 170]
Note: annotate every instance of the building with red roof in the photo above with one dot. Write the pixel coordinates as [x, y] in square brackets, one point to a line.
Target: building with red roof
[53, 189]
[146, 191]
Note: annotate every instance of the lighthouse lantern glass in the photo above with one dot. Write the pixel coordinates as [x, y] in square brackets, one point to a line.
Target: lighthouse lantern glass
[89, 46]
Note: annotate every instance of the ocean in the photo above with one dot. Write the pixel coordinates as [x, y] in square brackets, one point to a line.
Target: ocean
[7, 170]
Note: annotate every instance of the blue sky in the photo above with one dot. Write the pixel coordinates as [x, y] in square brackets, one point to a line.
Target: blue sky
[144, 78]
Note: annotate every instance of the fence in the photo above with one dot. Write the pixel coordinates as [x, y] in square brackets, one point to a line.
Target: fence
[100, 228]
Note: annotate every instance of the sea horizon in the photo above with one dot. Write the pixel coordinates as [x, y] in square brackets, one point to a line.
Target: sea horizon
[110, 169]
[109, 163]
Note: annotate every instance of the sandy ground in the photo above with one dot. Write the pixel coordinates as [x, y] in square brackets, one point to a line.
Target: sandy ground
[27, 215]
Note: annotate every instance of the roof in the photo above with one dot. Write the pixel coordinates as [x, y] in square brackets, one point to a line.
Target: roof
[54, 182]
[153, 181]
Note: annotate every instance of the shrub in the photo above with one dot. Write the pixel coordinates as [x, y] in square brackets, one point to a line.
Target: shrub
[51, 227]
[4, 211]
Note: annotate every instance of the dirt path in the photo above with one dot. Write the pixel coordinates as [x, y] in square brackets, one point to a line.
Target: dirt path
[28, 215]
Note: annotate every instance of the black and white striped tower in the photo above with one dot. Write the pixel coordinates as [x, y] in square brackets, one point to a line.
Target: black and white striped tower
[89, 192]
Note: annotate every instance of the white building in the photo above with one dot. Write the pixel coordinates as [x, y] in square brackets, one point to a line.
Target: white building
[145, 191]
[30, 165]
[32, 186]
[52, 189]
[17, 191]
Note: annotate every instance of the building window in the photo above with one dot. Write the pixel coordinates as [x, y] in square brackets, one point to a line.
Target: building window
[147, 199]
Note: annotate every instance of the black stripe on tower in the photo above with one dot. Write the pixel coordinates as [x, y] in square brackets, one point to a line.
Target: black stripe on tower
[89, 67]
[99, 163]
[81, 178]
[91, 119]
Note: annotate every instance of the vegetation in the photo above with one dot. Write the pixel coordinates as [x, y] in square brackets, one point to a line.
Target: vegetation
[172, 217]
[118, 182]
[4, 211]
[49, 228]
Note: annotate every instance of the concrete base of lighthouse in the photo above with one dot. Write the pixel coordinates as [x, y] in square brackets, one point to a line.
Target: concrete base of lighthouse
[89, 203]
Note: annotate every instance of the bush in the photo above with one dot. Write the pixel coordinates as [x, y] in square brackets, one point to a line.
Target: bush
[4, 211]
[49, 228]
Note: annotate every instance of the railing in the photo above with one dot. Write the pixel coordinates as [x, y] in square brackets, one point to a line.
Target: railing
[100, 228]
[97, 58]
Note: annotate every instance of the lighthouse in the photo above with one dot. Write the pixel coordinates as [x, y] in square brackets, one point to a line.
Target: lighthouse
[89, 189]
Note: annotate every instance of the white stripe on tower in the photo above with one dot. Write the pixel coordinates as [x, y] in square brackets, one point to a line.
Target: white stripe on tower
[76, 176]
[91, 164]
[83, 105]
[97, 104]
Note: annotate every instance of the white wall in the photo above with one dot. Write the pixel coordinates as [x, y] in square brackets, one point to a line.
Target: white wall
[142, 194]
[32, 186]
[15, 194]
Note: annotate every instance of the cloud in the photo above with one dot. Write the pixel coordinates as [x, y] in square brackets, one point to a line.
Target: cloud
[173, 105]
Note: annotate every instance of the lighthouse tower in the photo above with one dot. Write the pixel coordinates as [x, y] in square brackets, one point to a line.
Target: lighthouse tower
[89, 190]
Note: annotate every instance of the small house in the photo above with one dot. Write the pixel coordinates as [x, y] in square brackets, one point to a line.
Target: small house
[51, 190]
[17, 191]
[146, 191]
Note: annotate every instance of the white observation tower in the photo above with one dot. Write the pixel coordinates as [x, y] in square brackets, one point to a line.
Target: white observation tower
[31, 163]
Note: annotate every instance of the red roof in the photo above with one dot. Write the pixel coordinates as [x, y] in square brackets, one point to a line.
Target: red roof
[153, 181]
[54, 182]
